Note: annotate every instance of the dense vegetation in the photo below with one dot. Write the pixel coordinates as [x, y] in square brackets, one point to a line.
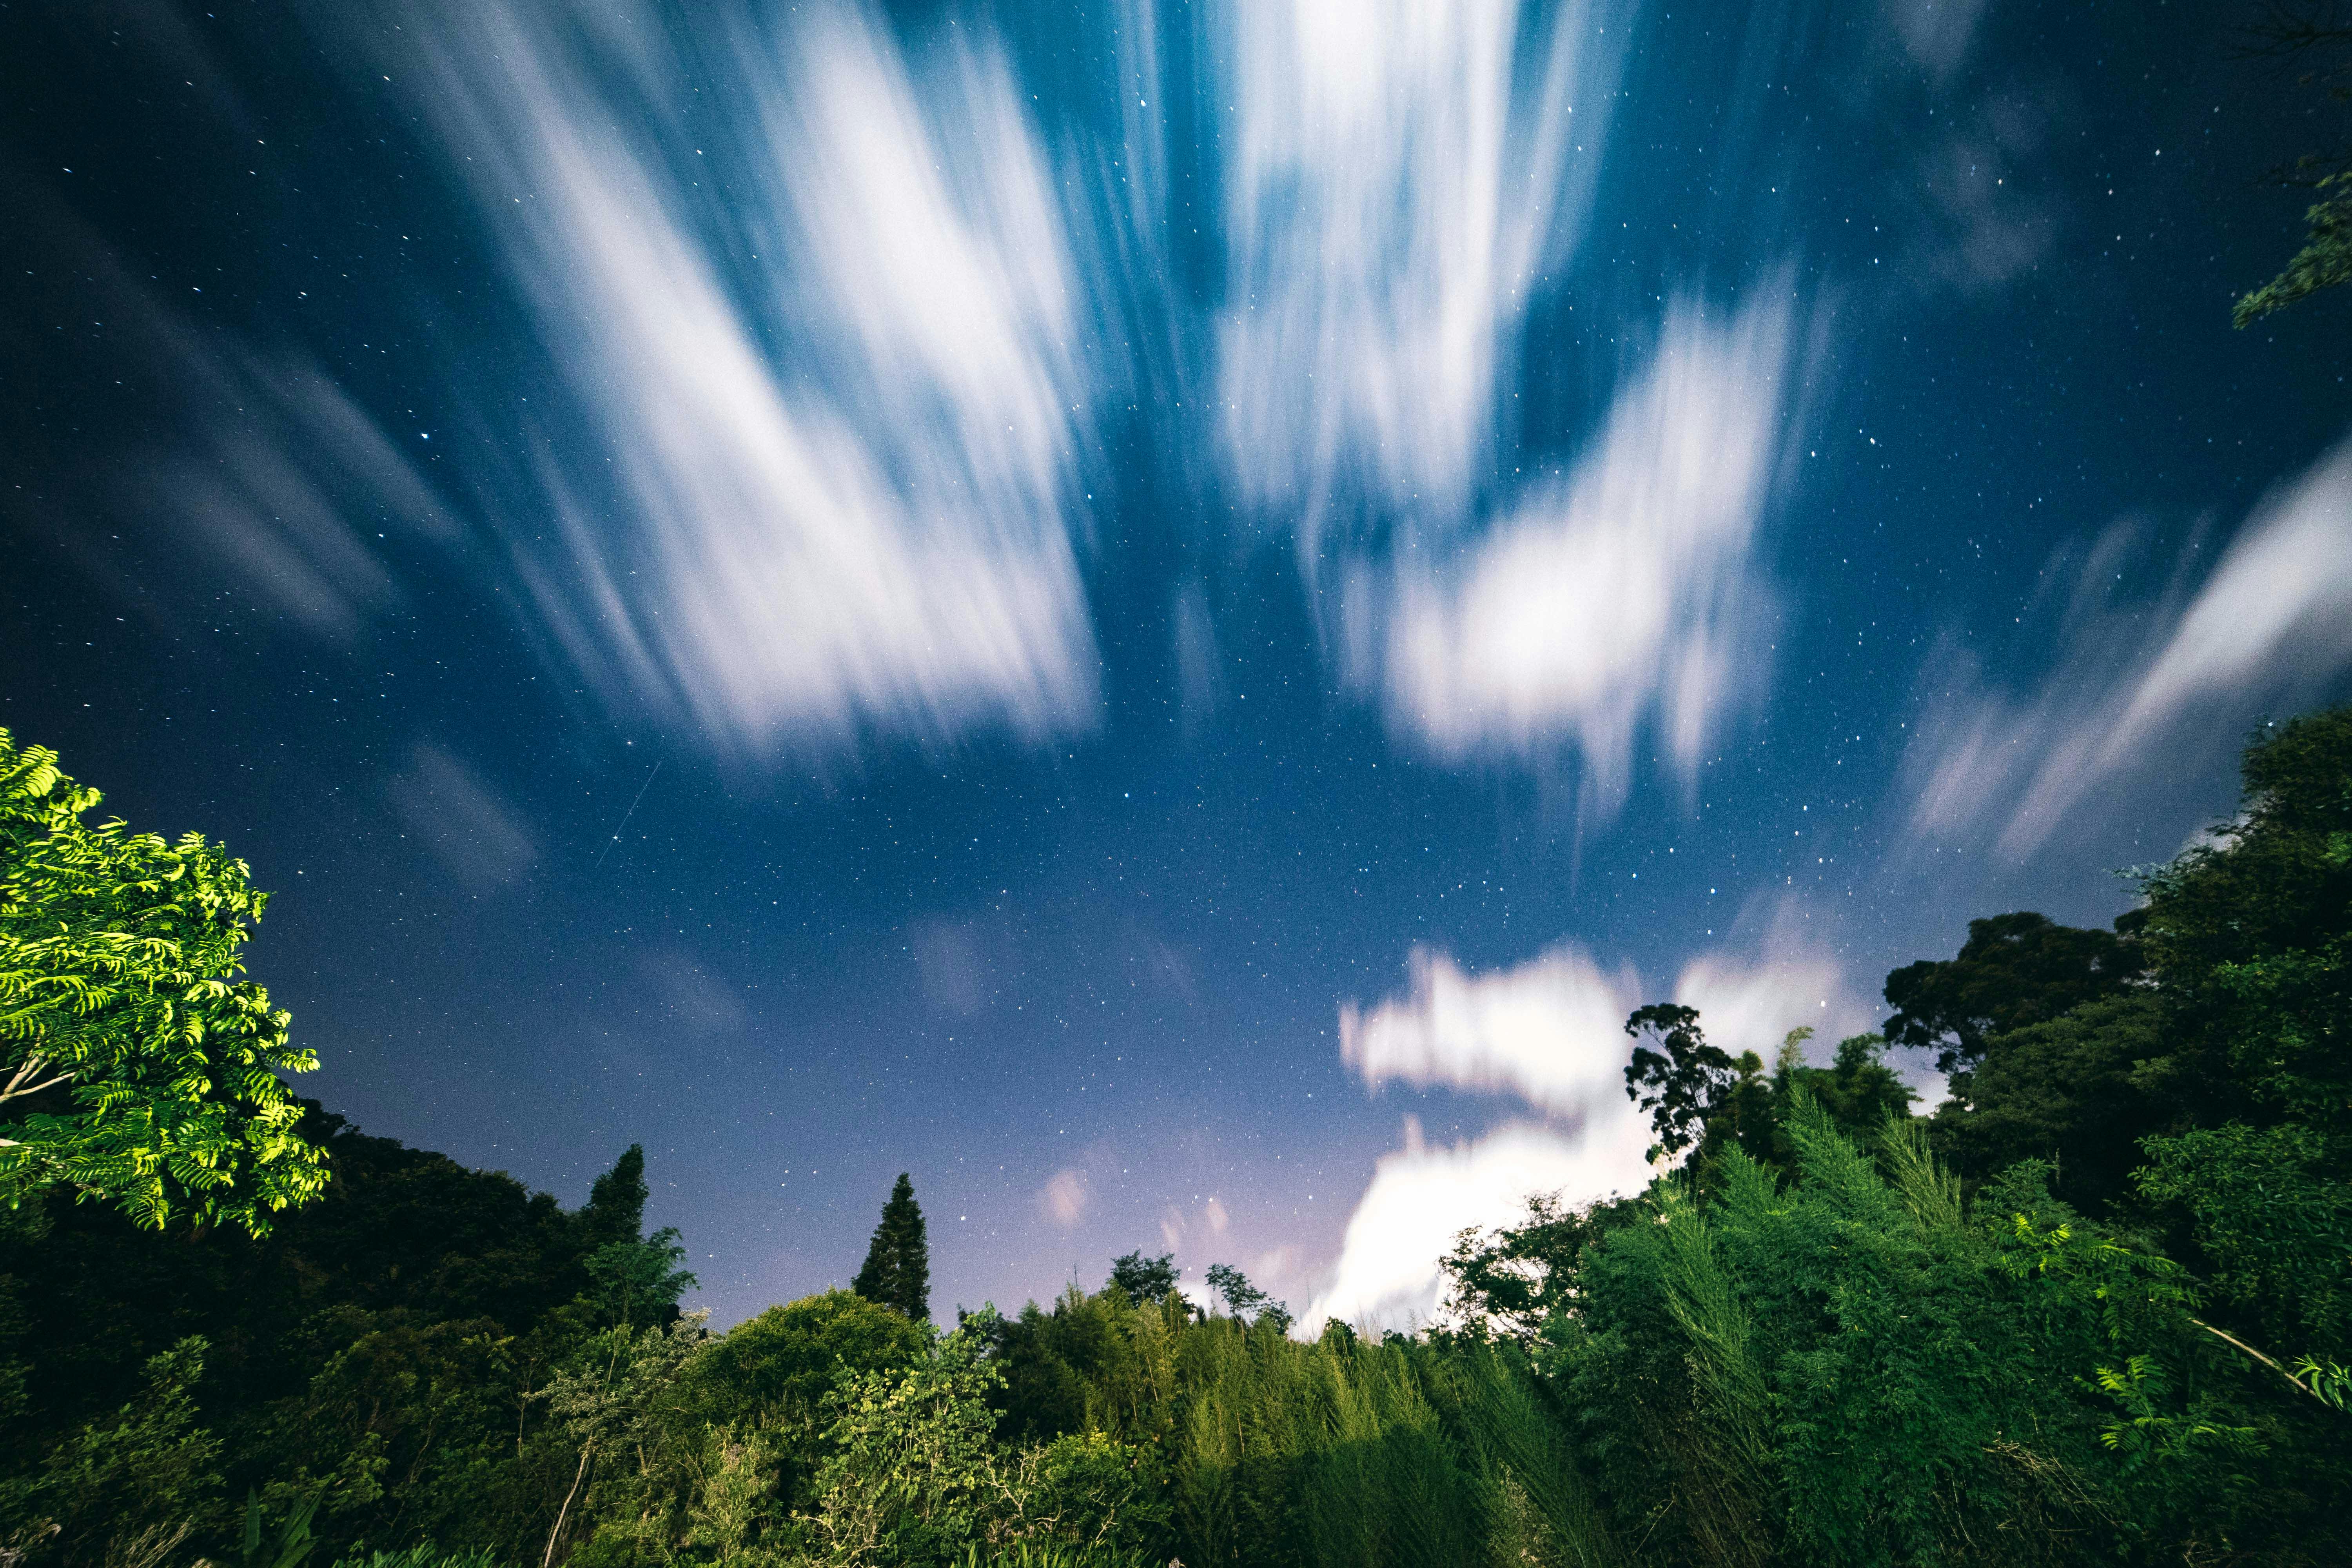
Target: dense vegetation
[2095, 1307]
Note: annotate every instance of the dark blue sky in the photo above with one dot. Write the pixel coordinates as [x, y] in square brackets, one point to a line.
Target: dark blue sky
[964, 589]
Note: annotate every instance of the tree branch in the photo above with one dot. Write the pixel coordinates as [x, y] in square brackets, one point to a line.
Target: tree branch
[2300, 1385]
[32, 1066]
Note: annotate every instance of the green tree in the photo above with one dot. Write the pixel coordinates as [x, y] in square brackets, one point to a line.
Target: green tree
[1679, 1082]
[139, 1071]
[781, 1364]
[2014, 970]
[1244, 1299]
[897, 1267]
[2071, 1092]
[615, 1210]
[1148, 1282]
[2250, 934]
[2315, 33]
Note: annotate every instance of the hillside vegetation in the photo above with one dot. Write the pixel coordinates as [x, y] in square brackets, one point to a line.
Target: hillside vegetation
[2095, 1308]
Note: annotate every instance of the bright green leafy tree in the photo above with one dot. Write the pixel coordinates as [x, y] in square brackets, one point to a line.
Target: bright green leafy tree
[135, 1066]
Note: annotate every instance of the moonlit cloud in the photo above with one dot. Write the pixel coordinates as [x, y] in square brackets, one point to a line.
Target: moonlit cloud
[1421, 1198]
[477, 835]
[820, 334]
[2273, 618]
[1402, 175]
[1626, 593]
[1550, 1033]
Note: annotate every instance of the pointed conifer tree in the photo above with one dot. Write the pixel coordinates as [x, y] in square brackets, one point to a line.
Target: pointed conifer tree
[615, 1210]
[898, 1271]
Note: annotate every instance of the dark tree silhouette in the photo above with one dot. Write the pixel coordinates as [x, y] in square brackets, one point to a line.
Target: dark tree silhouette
[898, 1271]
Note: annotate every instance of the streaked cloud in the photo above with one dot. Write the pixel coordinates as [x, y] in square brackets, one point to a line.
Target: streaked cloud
[1549, 1032]
[695, 1000]
[2130, 682]
[479, 837]
[1626, 592]
[819, 338]
[1402, 174]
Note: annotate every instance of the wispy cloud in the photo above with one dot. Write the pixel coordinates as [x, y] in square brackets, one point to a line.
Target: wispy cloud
[695, 1000]
[820, 336]
[479, 837]
[1625, 592]
[1064, 1196]
[1402, 174]
[2272, 618]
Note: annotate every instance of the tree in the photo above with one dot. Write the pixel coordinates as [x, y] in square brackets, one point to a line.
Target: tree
[2014, 970]
[1245, 1300]
[2251, 936]
[1148, 1282]
[138, 1069]
[615, 1210]
[2068, 1092]
[897, 1269]
[1678, 1084]
[2299, 31]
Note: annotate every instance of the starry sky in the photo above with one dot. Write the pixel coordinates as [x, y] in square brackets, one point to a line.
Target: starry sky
[1160, 614]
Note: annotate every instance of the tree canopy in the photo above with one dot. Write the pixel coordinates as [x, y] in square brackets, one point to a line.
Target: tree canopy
[139, 1069]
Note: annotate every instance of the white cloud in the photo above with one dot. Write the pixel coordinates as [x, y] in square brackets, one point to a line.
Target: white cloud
[1626, 591]
[1421, 1198]
[1549, 1032]
[2130, 683]
[822, 332]
[1064, 1196]
[284, 480]
[1400, 176]
[479, 839]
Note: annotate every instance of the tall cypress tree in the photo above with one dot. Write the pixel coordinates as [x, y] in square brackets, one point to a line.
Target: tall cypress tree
[615, 1210]
[898, 1271]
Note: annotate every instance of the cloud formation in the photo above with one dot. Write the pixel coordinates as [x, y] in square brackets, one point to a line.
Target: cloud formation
[819, 339]
[1550, 1033]
[2272, 618]
[476, 834]
[1421, 1198]
[1626, 591]
[1402, 175]
[1064, 1196]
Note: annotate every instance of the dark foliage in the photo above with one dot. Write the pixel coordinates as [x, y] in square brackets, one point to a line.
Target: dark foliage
[2014, 970]
[897, 1267]
[1678, 1082]
[1148, 1282]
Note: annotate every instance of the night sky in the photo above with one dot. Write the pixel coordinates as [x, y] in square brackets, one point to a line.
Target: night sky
[1160, 615]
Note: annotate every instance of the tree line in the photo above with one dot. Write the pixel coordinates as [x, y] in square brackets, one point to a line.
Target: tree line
[2093, 1307]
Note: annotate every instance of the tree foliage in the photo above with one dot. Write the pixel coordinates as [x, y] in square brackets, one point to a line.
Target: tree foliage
[897, 1267]
[2314, 33]
[139, 1069]
[2014, 970]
